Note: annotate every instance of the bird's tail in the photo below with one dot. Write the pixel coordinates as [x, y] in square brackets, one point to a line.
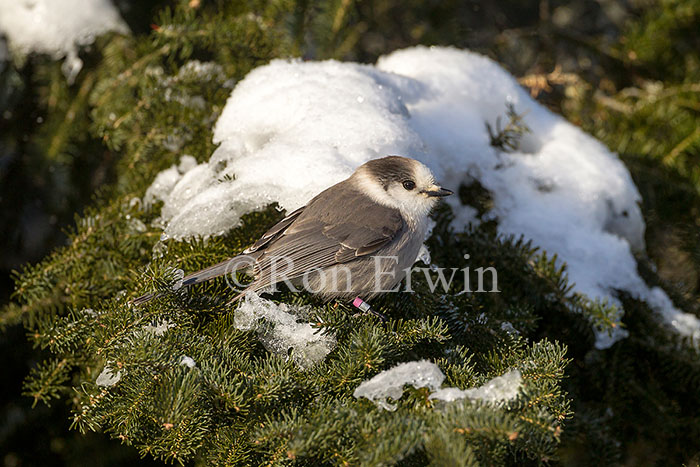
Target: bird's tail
[234, 264]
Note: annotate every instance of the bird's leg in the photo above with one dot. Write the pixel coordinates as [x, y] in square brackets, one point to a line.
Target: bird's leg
[364, 307]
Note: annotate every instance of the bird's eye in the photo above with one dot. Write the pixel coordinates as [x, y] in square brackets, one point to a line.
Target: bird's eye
[409, 185]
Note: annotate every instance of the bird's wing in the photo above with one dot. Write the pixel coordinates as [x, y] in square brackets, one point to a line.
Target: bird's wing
[361, 240]
[274, 232]
[334, 228]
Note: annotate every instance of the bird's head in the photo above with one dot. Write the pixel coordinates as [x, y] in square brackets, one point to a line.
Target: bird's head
[401, 183]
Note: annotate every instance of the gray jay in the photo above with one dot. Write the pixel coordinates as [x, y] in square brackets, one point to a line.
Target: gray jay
[355, 239]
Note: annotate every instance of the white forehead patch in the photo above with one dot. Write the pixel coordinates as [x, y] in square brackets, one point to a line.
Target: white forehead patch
[424, 177]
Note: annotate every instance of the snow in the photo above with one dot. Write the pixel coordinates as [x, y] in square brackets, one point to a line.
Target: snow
[57, 27]
[280, 329]
[194, 71]
[187, 361]
[424, 255]
[421, 374]
[390, 383]
[500, 389]
[291, 129]
[89, 312]
[509, 328]
[159, 328]
[178, 276]
[684, 323]
[107, 378]
[164, 184]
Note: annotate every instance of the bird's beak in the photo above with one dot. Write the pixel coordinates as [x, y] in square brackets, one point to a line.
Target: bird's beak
[438, 192]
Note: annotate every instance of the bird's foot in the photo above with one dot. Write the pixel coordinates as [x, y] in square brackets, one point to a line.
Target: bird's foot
[364, 307]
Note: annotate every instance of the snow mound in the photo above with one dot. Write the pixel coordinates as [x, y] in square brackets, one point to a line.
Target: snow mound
[57, 27]
[390, 383]
[291, 129]
[279, 330]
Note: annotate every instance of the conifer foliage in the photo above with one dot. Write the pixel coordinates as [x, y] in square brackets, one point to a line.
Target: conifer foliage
[180, 381]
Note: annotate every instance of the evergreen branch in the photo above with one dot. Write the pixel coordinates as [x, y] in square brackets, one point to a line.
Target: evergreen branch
[507, 139]
[672, 155]
[77, 108]
[340, 13]
[46, 381]
[132, 71]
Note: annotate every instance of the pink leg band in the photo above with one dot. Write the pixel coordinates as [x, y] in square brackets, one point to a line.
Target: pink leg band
[361, 304]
